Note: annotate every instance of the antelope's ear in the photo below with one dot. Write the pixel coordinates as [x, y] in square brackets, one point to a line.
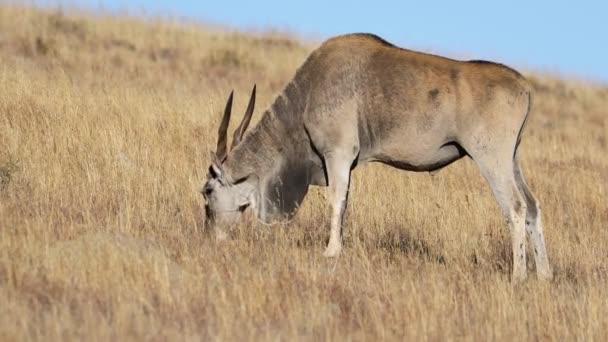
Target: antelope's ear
[216, 166]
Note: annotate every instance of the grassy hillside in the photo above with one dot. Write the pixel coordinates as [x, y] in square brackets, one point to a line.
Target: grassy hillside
[105, 130]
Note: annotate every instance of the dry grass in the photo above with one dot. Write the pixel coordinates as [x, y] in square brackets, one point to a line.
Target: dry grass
[105, 128]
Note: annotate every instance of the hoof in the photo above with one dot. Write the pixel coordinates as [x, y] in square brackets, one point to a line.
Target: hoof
[332, 252]
[517, 279]
[546, 275]
[220, 235]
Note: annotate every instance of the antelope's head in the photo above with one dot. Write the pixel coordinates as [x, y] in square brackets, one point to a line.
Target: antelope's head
[225, 197]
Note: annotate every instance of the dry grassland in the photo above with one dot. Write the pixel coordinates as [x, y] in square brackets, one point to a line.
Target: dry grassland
[106, 124]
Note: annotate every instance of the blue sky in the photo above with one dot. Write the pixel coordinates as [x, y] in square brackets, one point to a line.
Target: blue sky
[565, 37]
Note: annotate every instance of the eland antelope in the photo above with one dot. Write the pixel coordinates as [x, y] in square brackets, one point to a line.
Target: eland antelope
[359, 99]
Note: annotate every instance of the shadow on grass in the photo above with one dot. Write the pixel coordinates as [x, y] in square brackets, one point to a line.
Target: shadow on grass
[402, 242]
[497, 257]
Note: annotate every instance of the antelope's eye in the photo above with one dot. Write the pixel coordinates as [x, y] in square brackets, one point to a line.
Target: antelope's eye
[207, 190]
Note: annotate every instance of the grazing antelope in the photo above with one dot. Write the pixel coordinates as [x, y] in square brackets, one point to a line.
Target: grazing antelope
[359, 99]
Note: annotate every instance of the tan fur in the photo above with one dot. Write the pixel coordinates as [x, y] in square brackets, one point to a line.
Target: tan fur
[359, 99]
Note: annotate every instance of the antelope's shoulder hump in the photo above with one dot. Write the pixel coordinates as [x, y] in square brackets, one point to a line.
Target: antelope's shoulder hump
[355, 42]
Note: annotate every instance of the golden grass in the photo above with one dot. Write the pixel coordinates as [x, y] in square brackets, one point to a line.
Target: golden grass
[105, 128]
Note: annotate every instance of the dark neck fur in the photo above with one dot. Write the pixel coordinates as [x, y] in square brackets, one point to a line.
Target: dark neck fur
[277, 138]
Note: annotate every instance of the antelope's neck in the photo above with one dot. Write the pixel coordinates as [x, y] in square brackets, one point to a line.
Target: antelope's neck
[278, 139]
[262, 150]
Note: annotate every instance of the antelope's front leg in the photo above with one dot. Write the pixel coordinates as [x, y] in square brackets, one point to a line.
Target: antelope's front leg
[338, 174]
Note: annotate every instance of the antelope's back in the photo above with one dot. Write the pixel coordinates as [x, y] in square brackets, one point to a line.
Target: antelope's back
[408, 97]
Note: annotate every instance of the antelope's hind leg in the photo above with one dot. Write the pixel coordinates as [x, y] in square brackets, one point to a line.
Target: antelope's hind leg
[533, 225]
[497, 168]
